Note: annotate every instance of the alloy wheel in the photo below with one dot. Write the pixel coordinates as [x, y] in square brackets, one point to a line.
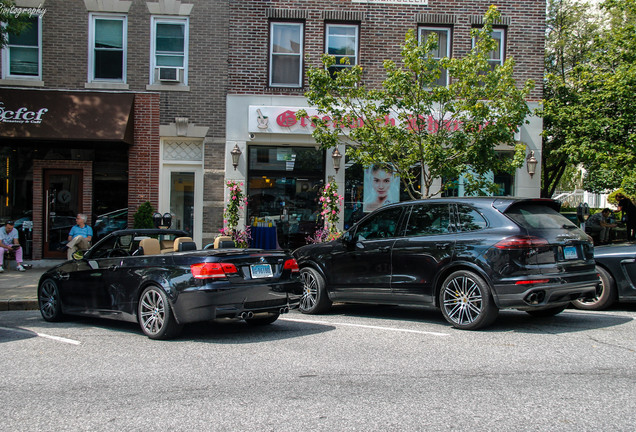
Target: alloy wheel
[49, 302]
[310, 291]
[152, 311]
[463, 300]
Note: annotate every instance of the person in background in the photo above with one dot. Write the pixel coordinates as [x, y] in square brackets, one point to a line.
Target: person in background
[9, 241]
[79, 238]
[627, 207]
[599, 223]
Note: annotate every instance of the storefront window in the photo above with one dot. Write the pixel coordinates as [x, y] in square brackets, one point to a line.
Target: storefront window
[283, 189]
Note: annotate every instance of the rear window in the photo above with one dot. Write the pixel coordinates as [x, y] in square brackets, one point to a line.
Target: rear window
[538, 216]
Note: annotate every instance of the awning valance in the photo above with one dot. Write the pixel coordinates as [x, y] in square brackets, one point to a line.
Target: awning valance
[66, 115]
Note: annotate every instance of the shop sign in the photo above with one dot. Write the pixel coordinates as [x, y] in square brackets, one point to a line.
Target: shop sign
[279, 119]
[21, 115]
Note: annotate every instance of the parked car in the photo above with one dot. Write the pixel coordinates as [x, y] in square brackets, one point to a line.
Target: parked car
[157, 278]
[109, 222]
[616, 265]
[469, 257]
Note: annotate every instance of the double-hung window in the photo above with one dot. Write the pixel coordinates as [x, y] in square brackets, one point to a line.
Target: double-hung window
[286, 54]
[443, 48]
[341, 41]
[496, 57]
[22, 57]
[169, 50]
[107, 52]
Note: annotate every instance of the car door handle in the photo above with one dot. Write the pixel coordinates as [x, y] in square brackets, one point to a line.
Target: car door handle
[442, 245]
[113, 267]
[384, 248]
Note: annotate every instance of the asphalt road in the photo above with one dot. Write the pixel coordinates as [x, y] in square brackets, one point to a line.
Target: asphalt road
[354, 369]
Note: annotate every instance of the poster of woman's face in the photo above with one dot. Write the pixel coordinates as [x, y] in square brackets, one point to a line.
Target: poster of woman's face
[381, 187]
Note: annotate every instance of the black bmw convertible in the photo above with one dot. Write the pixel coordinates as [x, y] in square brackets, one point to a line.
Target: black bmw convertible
[158, 278]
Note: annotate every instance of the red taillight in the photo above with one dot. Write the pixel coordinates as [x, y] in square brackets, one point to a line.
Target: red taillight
[521, 242]
[532, 281]
[212, 270]
[292, 265]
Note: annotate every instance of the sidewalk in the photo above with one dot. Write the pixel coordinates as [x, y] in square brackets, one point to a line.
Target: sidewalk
[18, 290]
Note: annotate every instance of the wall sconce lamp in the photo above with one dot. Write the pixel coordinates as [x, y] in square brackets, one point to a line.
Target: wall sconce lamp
[236, 154]
[336, 156]
[531, 163]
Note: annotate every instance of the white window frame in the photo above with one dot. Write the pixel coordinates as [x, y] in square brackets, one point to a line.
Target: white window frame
[91, 46]
[300, 55]
[449, 34]
[502, 48]
[185, 21]
[6, 58]
[356, 54]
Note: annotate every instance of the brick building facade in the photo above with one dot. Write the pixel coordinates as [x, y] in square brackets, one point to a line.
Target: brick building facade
[169, 57]
[270, 40]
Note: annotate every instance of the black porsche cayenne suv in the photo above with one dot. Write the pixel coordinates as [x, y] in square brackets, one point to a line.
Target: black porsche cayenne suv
[469, 257]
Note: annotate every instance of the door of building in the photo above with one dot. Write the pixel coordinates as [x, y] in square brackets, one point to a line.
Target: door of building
[184, 202]
[62, 203]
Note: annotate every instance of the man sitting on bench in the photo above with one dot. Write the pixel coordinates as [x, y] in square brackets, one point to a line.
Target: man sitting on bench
[80, 236]
[9, 242]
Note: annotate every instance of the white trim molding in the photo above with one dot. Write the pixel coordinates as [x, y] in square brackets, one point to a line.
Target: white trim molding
[119, 6]
[169, 7]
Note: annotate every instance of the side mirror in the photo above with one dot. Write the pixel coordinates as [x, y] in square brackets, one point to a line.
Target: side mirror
[79, 255]
[348, 239]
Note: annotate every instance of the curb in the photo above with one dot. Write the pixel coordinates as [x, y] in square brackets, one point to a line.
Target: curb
[18, 304]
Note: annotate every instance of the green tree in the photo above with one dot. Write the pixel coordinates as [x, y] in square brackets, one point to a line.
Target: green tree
[570, 42]
[440, 132]
[13, 23]
[589, 114]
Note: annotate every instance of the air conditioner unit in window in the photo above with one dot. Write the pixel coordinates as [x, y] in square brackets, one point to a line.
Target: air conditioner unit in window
[169, 74]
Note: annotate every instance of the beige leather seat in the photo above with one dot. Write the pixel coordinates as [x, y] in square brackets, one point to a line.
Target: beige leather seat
[175, 245]
[223, 242]
[150, 246]
[166, 246]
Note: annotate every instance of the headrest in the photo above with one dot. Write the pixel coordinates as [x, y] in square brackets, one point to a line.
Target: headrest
[187, 246]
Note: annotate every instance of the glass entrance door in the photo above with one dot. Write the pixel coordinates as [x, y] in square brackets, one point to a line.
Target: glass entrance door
[62, 202]
[184, 199]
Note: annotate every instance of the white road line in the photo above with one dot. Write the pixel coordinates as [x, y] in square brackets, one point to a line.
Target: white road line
[42, 335]
[366, 326]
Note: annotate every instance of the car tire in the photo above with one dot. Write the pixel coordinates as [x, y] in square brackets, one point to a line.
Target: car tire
[155, 315]
[606, 293]
[547, 312]
[466, 301]
[314, 299]
[49, 301]
[262, 321]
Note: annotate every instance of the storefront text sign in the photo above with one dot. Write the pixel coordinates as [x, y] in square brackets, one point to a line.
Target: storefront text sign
[280, 119]
[21, 115]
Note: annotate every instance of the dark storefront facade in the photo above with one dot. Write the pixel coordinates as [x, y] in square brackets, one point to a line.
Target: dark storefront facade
[69, 152]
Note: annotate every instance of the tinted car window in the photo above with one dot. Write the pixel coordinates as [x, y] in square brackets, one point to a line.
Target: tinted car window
[470, 219]
[538, 216]
[383, 224]
[428, 219]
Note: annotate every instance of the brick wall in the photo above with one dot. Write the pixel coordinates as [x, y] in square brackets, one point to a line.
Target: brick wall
[65, 57]
[382, 32]
[143, 156]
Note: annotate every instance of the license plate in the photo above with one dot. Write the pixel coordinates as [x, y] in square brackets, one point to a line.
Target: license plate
[261, 270]
[569, 252]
